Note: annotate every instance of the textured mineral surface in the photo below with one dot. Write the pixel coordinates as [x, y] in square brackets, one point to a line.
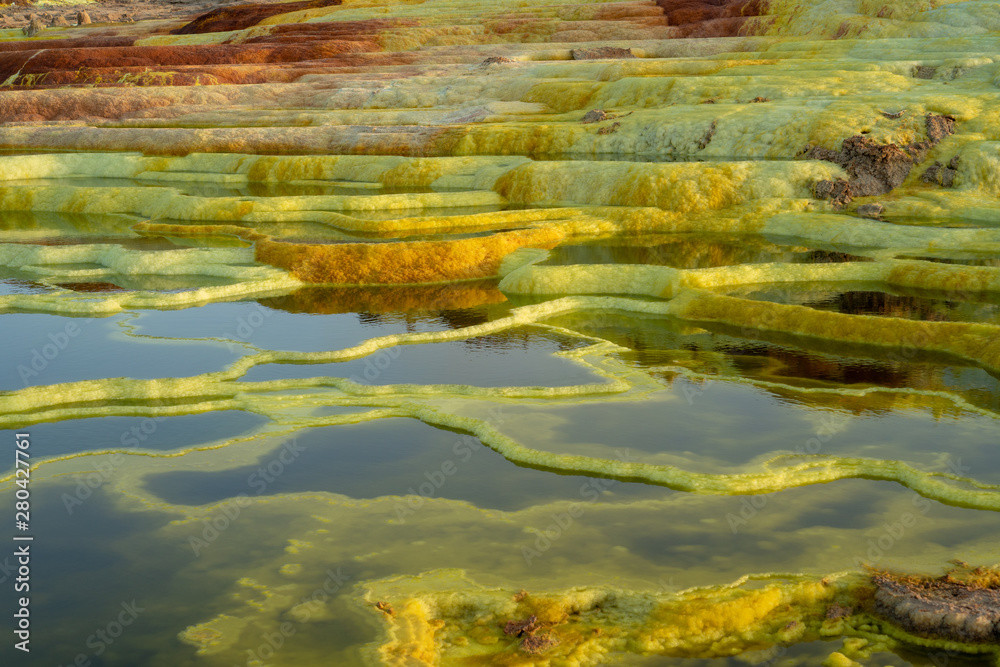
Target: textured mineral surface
[522, 332]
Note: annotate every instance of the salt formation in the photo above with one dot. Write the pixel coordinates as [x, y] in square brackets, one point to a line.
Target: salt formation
[782, 200]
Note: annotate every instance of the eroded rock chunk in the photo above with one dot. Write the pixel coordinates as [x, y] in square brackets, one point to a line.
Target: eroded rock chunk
[600, 115]
[941, 174]
[873, 210]
[933, 173]
[517, 628]
[876, 169]
[34, 27]
[493, 61]
[939, 127]
[841, 194]
[823, 189]
[839, 191]
[535, 644]
[960, 609]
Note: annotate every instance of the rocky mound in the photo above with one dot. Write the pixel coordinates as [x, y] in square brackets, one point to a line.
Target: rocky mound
[875, 169]
[961, 609]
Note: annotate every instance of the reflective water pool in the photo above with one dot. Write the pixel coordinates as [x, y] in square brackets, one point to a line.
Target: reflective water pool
[234, 468]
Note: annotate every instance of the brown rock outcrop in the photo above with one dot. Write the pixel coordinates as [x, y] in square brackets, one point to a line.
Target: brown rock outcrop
[875, 169]
[873, 210]
[238, 17]
[34, 27]
[946, 607]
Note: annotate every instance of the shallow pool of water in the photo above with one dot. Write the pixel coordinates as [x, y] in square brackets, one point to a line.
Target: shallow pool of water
[206, 466]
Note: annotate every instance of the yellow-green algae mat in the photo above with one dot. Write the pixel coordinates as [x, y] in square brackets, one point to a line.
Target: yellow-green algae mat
[675, 243]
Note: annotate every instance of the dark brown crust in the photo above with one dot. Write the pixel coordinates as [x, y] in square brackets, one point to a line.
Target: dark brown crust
[945, 607]
[711, 18]
[876, 169]
[238, 17]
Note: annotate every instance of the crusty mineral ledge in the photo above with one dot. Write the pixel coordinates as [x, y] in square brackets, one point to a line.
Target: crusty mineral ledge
[444, 618]
[963, 608]
[379, 263]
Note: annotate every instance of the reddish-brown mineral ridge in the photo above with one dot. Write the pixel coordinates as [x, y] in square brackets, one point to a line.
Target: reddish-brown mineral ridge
[108, 58]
